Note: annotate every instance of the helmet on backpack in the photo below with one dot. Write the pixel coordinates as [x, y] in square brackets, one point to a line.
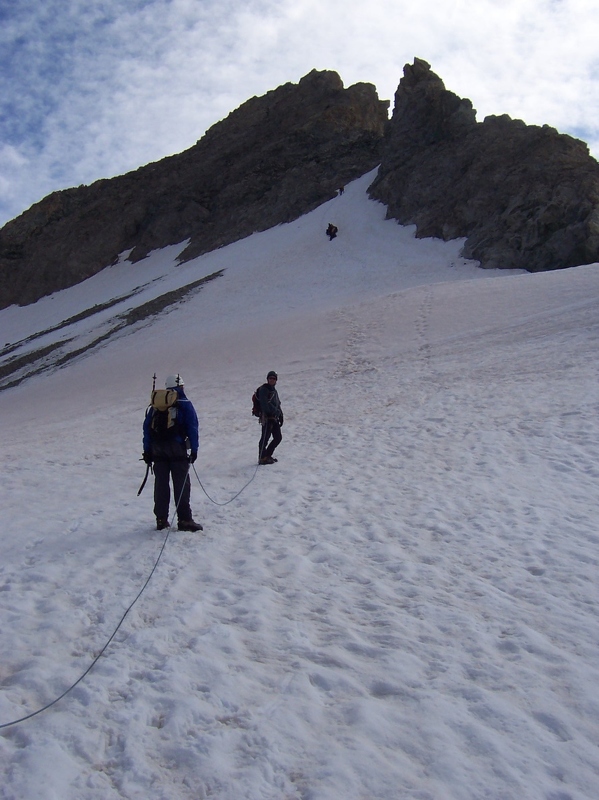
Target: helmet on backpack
[173, 381]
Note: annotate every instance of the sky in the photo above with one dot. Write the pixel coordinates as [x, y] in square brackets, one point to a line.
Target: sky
[95, 88]
[404, 606]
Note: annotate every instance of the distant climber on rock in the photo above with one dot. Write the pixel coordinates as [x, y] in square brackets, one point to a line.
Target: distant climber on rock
[332, 231]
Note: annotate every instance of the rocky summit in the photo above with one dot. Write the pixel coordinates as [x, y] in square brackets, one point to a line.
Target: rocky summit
[273, 159]
[523, 196]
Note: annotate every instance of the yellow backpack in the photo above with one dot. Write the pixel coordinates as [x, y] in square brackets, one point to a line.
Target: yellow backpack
[163, 403]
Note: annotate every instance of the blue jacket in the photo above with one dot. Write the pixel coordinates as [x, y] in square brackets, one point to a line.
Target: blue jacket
[187, 419]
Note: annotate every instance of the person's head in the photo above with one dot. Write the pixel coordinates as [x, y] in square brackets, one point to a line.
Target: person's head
[271, 377]
[173, 381]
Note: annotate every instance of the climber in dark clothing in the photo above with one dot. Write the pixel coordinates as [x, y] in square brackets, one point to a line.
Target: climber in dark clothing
[271, 418]
[332, 231]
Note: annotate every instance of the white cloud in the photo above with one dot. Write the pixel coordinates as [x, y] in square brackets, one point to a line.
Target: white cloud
[94, 89]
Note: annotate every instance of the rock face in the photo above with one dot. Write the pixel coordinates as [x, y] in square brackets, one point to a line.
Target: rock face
[273, 159]
[524, 197]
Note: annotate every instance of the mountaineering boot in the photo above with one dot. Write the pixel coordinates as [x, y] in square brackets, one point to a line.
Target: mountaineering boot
[161, 524]
[267, 460]
[189, 525]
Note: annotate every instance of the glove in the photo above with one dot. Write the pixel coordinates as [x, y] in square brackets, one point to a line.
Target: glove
[147, 457]
[192, 456]
[281, 421]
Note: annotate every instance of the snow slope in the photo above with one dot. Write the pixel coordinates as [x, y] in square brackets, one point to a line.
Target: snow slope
[405, 606]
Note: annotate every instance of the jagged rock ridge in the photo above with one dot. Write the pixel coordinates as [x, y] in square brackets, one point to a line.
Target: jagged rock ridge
[524, 196]
[273, 159]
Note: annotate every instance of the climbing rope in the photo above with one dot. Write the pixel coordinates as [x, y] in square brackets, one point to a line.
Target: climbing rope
[235, 496]
[139, 594]
[100, 654]
[114, 633]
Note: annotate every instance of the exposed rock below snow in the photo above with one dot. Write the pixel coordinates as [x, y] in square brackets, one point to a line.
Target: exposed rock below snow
[525, 196]
[273, 159]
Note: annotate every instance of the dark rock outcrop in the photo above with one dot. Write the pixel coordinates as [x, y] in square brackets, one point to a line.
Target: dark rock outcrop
[273, 159]
[524, 196]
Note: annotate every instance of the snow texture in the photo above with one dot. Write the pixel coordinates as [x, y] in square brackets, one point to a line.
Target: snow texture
[405, 606]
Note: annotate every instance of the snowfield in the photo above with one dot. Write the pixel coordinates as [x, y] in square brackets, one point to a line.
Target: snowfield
[404, 607]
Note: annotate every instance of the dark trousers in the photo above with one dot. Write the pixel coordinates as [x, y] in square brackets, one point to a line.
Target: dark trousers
[179, 472]
[270, 428]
